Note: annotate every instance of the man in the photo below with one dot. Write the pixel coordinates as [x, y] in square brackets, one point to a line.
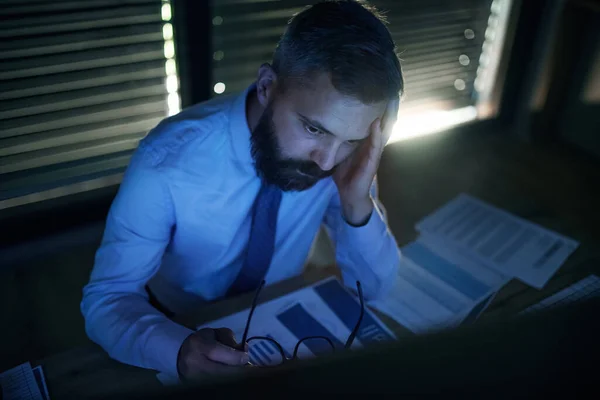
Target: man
[234, 190]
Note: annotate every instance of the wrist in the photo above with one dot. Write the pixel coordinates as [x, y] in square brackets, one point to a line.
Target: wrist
[357, 212]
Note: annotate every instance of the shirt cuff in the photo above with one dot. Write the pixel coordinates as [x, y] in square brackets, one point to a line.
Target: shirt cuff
[367, 235]
[166, 344]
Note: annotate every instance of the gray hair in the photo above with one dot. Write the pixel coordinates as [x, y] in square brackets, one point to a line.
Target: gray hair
[349, 41]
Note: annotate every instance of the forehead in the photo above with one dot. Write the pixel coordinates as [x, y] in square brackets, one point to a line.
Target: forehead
[346, 117]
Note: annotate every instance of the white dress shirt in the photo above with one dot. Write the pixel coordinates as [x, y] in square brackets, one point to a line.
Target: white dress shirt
[181, 221]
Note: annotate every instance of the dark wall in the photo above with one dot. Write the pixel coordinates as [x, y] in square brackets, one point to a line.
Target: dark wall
[566, 108]
[580, 118]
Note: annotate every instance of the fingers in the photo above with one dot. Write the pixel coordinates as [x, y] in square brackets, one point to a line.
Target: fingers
[215, 350]
[225, 336]
[377, 137]
[210, 351]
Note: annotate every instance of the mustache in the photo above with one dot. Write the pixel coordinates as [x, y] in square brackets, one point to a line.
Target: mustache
[305, 167]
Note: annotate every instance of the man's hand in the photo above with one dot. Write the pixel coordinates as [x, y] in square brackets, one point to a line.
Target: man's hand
[355, 175]
[210, 352]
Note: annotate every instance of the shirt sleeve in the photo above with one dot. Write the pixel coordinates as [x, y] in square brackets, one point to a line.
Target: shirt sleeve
[115, 306]
[367, 253]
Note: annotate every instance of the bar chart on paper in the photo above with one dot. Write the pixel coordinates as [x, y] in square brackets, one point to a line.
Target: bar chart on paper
[265, 353]
[301, 324]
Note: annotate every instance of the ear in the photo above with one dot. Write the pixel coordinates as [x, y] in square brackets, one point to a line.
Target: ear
[266, 84]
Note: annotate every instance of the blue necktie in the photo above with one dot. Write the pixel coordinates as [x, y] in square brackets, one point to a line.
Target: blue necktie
[262, 240]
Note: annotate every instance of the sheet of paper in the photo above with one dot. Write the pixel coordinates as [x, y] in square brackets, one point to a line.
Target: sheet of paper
[586, 288]
[511, 245]
[438, 289]
[38, 373]
[323, 309]
[19, 383]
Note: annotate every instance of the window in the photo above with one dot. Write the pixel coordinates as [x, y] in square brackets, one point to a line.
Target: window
[81, 83]
[449, 50]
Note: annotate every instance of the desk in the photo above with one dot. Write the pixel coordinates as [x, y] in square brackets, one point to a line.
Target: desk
[88, 370]
[520, 178]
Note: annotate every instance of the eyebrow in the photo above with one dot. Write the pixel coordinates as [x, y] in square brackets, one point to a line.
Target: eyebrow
[320, 127]
[316, 124]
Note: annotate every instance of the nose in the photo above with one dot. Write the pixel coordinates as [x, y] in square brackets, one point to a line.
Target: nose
[324, 157]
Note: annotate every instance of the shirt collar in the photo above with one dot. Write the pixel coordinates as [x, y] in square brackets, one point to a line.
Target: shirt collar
[238, 126]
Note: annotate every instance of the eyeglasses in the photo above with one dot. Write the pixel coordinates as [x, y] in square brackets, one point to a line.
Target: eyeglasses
[271, 353]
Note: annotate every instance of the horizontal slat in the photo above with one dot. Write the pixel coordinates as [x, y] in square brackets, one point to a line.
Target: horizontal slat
[38, 179]
[426, 49]
[40, 85]
[435, 90]
[16, 7]
[443, 68]
[434, 82]
[86, 40]
[86, 115]
[58, 138]
[90, 58]
[415, 61]
[247, 8]
[248, 19]
[66, 190]
[53, 23]
[78, 151]
[264, 35]
[81, 98]
[82, 65]
[441, 103]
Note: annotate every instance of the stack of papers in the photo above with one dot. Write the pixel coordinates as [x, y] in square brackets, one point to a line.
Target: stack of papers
[467, 250]
[24, 383]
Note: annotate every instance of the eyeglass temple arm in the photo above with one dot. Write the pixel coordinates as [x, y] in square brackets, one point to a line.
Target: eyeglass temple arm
[242, 346]
[360, 318]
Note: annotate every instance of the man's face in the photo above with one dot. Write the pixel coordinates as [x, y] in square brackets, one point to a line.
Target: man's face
[305, 132]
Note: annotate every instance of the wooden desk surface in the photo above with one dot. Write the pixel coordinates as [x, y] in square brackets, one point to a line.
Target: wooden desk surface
[541, 185]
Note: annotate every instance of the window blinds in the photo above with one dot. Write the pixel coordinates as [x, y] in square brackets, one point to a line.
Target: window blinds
[439, 41]
[81, 82]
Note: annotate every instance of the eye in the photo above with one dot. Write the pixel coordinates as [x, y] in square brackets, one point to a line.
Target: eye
[312, 130]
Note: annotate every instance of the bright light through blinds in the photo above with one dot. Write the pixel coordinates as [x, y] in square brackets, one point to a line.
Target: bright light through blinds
[435, 120]
[171, 80]
[428, 122]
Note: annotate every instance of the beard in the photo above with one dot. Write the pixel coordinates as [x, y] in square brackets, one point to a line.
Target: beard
[286, 173]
